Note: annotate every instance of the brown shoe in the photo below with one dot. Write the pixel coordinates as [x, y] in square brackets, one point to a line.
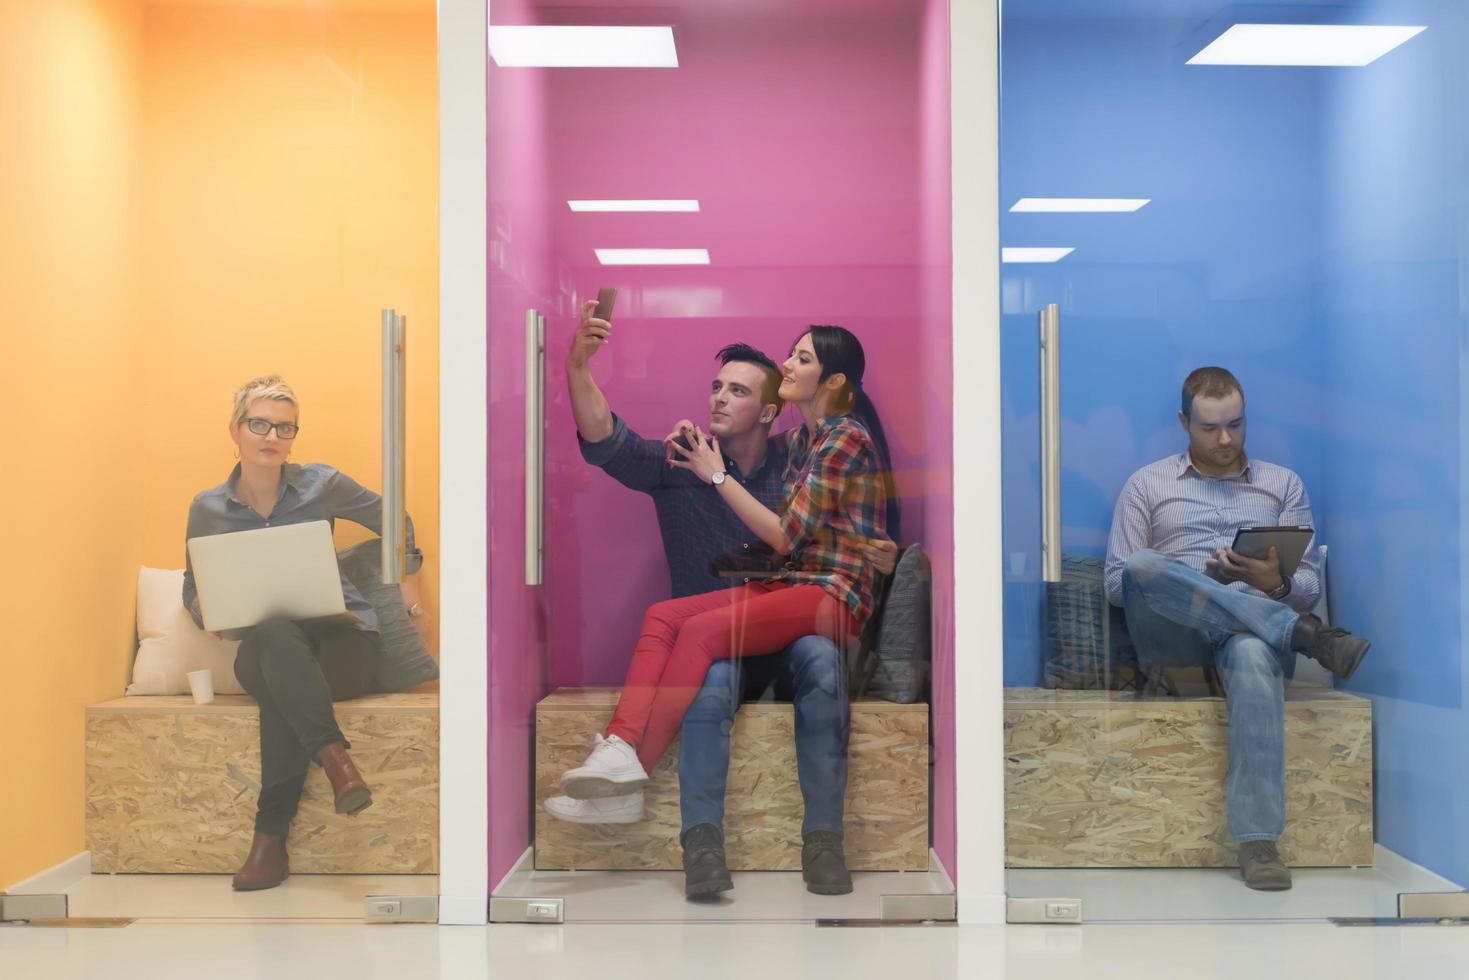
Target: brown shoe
[1334, 648]
[348, 786]
[266, 866]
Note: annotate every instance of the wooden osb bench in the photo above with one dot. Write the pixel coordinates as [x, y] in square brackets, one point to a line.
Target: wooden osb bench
[171, 787]
[1096, 779]
[886, 805]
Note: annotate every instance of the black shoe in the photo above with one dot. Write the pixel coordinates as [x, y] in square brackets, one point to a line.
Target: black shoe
[704, 870]
[823, 864]
[1333, 648]
[1262, 868]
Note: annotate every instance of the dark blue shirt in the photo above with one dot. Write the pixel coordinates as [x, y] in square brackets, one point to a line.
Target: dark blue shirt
[695, 522]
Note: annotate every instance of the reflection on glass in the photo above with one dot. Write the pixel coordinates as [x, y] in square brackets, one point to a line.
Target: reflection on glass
[294, 664]
[1288, 240]
[775, 547]
[1199, 591]
[201, 192]
[806, 213]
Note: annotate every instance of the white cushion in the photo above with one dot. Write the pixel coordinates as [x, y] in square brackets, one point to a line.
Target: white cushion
[170, 645]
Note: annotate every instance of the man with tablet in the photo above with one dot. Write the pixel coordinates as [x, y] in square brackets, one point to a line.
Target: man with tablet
[1210, 557]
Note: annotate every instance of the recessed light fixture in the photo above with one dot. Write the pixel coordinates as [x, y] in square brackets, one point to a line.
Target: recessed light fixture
[634, 205]
[1015, 255]
[583, 47]
[653, 256]
[1079, 205]
[1304, 45]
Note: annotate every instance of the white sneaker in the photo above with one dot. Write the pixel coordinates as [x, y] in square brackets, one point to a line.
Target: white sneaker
[611, 770]
[617, 809]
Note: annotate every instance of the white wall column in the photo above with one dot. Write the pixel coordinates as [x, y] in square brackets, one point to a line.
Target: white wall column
[464, 865]
[979, 635]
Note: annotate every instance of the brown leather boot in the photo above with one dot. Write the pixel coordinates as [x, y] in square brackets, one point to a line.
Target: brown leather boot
[266, 866]
[348, 786]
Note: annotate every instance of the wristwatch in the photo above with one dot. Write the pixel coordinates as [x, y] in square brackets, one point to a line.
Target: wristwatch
[718, 478]
[1281, 591]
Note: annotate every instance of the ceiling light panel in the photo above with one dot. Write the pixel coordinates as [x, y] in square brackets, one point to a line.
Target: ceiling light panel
[1303, 45]
[627, 206]
[1078, 205]
[1012, 256]
[653, 256]
[583, 47]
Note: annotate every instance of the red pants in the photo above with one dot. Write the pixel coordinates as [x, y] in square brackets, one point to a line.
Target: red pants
[682, 637]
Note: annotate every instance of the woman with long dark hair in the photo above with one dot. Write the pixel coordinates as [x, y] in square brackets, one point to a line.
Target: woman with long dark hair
[839, 495]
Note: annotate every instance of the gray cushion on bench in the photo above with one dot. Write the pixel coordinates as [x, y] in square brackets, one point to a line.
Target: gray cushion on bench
[894, 663]
[1087, 644]
[404, 660]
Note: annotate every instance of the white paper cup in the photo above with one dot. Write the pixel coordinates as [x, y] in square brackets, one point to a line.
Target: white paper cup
[201, 684]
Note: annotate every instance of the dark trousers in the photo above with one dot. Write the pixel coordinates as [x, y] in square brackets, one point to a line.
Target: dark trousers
[296, 670]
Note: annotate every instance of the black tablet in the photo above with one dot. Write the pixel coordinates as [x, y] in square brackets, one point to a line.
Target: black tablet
[1290, 544]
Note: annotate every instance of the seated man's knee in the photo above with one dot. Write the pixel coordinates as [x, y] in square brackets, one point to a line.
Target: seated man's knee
[719, 698]
[816, 662]
[1144, 561]
[1141, 566]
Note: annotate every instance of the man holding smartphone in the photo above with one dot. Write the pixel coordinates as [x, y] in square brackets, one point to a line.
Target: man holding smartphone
[1191, 600]
[696, 527]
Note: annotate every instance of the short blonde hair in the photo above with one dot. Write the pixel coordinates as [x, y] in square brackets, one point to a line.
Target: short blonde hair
[270, 386]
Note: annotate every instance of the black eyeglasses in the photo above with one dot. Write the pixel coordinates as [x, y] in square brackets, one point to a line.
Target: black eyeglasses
[262, 427]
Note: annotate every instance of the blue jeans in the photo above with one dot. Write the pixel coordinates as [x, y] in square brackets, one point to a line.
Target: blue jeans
[1180, 618]
[809, 672]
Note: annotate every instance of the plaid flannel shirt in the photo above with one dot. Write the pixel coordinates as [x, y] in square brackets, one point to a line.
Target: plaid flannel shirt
[836, 499]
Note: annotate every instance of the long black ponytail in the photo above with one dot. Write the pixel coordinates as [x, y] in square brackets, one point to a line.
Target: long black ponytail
[838, 351]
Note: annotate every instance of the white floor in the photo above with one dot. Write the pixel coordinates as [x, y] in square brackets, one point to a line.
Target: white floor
[1204, 894]
[148, 951]
[209, 898]
[657, 897]
[758, 896]
[190, 927]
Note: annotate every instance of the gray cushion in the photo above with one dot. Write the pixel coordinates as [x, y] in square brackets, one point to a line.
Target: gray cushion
[1087, 644]
[895, 659]
[404, 660]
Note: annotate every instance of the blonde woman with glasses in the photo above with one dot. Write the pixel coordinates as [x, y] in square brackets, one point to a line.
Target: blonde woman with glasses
[295, 670]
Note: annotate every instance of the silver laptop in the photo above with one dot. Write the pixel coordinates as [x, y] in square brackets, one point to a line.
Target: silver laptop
[246, 577]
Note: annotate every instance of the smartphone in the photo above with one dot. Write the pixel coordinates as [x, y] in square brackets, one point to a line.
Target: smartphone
[606, 299]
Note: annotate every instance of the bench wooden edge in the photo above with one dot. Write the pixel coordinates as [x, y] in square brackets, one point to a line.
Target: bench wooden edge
[605, 698]
[421, 703]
